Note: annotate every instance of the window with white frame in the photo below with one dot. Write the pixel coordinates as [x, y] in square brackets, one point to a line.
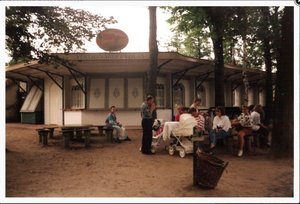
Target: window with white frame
[160, 95]
[178, 95]
[77, 96]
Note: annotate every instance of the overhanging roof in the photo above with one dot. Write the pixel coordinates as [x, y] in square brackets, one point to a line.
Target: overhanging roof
[137, 62]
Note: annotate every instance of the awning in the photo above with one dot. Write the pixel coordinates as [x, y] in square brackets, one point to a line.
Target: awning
[86, 64]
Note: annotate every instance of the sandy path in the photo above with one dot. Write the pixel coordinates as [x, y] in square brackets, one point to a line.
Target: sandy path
[120, 170]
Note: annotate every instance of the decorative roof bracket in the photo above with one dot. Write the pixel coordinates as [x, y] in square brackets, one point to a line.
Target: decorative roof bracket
[49, 74]
[31, 79]
[72, 70]
[161, 65]
[202, 80]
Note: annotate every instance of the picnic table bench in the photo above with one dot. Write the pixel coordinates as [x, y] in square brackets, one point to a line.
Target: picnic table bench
[107, 130]
[79, 130]
[44, 131]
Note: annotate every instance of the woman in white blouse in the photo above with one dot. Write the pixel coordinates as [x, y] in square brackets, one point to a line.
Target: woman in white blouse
[243, 124]
[221, 126]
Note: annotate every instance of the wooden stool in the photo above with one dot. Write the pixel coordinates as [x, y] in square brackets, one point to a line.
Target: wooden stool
[43, 135]
[67, 136]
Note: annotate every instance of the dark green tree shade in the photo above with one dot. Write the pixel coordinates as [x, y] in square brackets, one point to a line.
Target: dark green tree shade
[32, 33]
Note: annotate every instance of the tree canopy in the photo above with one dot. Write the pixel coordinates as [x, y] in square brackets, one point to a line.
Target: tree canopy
[244, 30]
[32, 33]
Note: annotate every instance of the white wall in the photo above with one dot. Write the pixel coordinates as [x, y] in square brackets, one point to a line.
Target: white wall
[127, 118]
[135, 92]
[74, 117]
[52, 103]
[261, 97]
[96, 93]
[186, 84]
[116, 89]
[251, 97]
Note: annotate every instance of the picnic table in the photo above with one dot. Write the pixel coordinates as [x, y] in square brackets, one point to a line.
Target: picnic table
[68, 132]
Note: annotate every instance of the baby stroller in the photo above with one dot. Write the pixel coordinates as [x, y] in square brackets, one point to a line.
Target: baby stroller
[157, 134]
[182, 136]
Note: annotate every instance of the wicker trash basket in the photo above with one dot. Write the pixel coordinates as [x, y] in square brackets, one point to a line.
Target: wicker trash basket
[208, 170]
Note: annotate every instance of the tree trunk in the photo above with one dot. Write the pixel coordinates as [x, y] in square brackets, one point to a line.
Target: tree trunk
[153, 51]
[214, 14]
[219, 71]
[268, 63]
[244, 73]
[282, 134]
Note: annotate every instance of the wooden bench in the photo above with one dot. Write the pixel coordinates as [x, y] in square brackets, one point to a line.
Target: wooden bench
[108, 131]
[51, 127]
[68, 134]
[250, 142]
[43, 135]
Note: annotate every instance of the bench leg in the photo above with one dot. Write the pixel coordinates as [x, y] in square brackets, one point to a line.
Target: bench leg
[40, 137]
[100, 129]
[78, 135]
[87, 134]
[195, 147]
[229, 144]
[45, 138]
[67, 137]
[249, 141]
[109, 134]
[51, 133]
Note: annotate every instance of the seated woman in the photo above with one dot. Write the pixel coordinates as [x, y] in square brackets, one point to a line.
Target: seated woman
[199, 119]
[220, 129]
[243, 125]
[111, 120]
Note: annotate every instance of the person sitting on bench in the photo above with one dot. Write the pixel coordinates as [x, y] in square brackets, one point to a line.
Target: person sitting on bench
[243, 125]
[220, 129]
[258, 127]
[111, 121]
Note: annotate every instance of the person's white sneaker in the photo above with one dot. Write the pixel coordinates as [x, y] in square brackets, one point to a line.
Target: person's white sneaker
[240, 153]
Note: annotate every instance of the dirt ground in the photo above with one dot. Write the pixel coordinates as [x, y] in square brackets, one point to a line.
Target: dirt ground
[109, 169]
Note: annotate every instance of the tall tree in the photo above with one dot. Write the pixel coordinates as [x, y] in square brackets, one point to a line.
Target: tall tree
[153, 51]
[214, 14]
[206, 19]
[35, 32]
[268, 62]
[283, 130]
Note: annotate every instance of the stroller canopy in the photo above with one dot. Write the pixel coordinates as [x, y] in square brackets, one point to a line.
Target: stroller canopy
[186, 125]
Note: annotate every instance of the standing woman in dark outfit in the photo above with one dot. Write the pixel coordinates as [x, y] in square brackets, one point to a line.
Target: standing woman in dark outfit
[147, 109]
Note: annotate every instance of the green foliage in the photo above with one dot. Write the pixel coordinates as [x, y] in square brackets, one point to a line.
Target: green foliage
[35, 32]
[242, 28]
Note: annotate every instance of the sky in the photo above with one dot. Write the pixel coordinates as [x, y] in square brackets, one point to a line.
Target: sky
[134, 21]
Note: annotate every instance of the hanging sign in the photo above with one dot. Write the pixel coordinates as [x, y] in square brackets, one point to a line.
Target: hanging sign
[112, 40]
